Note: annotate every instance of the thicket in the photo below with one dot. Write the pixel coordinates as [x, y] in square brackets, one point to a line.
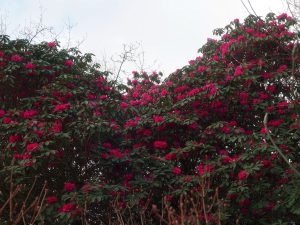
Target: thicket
[216, 142]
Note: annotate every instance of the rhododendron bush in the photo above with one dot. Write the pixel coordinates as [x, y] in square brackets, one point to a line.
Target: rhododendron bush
[215, 143]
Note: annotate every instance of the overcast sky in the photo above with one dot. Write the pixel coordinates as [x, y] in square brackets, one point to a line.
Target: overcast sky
[170, 31]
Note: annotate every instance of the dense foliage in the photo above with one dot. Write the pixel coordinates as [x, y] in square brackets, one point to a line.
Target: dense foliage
[215, 143]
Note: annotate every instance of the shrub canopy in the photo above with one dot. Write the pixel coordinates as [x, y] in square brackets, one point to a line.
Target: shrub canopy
[223, 129]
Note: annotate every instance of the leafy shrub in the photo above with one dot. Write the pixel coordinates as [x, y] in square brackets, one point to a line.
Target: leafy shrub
[219, 136]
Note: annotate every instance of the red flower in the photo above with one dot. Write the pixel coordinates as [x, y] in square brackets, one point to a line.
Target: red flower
[116, 153]
[29, 114]
[281, 68]
[275, 123]
[16, 58]
[193, 92]
[67, 208]
[147, 132]
[263, 130]
[123, 105]
[51, 200]
[160, 144]
[103, 97]
[14, 138]
[238, 71]
[176, 171]
[69, 63]
[106, 145]
[170, 156]
[51, 44]
[32, 147]
[68, 186]
[224, 48]
[225, 130]
[164, 92]
[7, 120]
[62, 107]
[158, 119]
[201, 69]
[57, 127]
[29, 66]
[282, 16]
[39, 133]
[242, 175]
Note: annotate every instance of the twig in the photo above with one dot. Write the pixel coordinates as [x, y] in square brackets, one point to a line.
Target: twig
[18, 188]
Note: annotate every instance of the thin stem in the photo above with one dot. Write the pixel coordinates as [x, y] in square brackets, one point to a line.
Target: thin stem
[276, 147]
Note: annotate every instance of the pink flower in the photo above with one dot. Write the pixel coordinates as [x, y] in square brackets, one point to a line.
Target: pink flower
[62, 107]
[32, 147]
[229, 78]
[176, 171]
[160, 144]
[281, 68]
[103, 97]
[201, 69]
[69, 63]
[282, 16]
[275, 123]
[242, 175]
[7, 120]
[56, 127]
[164, 92]
[225, 130]
[68, 186]
[29, 66]
[224, 48]
[193, 92]
[106, 145]
[29, 113]
[116, 153]
[158, 119]
[67, 208]
[16, 58]
[51, 44]
[282, 105]
[170, 156]
[123, 105]
[14, 138]
[238, 71]
[263, 130]
[51, 200]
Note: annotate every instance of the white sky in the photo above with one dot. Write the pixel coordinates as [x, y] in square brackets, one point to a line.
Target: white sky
[170, 31]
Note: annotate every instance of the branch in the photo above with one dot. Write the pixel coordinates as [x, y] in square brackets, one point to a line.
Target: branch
[277, 148]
